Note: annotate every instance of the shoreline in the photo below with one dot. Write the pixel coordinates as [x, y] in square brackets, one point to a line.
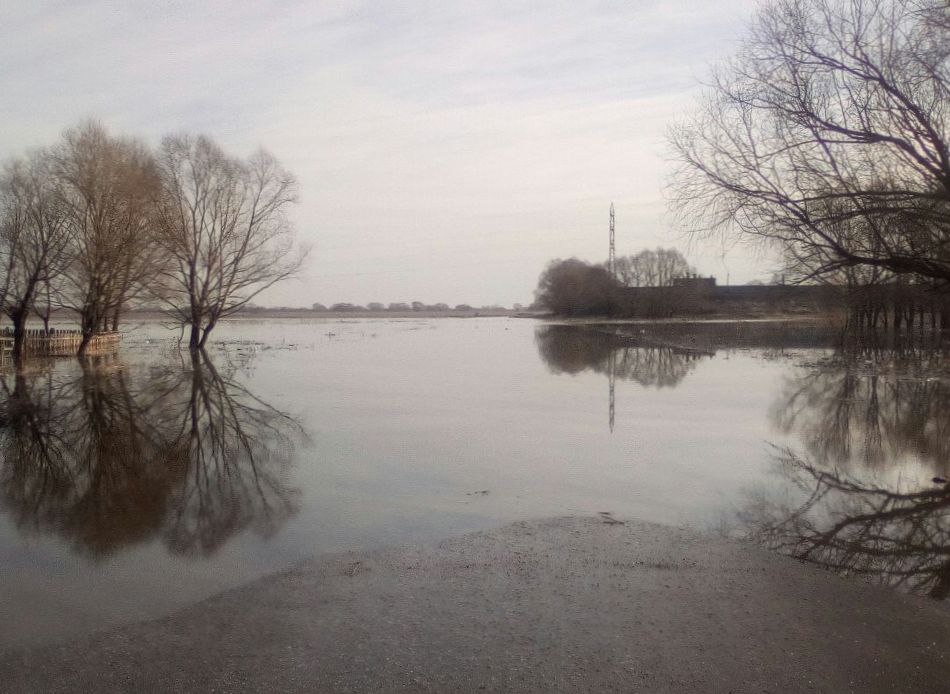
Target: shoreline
[567, 604]
[139, 315]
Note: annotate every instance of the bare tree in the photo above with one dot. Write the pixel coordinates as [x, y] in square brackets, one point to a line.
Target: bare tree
[223, 224]
[650, 268]
[827, 136]
[107, 186]
[33, 239]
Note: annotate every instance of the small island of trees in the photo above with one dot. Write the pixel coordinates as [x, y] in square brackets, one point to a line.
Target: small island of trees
[576, 288]
[95, 223]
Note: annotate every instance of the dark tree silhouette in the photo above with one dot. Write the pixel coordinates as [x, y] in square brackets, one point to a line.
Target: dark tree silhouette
[826, 136]
[575, 288]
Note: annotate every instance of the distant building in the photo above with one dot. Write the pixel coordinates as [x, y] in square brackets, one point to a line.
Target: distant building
[695, 283]
[695, 295]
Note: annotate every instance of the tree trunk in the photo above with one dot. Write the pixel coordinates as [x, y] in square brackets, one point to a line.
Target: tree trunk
[84, 345]
[89, 324]
[941, 587]
[19, 336]
[194, 340]
[204, 336]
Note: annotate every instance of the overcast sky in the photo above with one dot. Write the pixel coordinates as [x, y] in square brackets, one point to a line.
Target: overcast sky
[445, 150]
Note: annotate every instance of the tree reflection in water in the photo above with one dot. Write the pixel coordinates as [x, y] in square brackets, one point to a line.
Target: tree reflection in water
[849, 413]
[872, 441]
[570, 349]
[856, 527]
[106, 460]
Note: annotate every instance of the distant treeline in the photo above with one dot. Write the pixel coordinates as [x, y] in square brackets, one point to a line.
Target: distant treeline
[576, 288]
[417, 306]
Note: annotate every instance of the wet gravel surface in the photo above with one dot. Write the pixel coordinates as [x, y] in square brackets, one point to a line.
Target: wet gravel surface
[564, 605]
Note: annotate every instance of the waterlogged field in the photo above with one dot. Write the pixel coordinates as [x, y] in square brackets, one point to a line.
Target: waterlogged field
[133, 485]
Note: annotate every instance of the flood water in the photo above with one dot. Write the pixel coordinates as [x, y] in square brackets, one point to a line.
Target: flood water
[136, 484]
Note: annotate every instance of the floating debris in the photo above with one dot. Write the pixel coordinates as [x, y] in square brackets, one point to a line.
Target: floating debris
[607, 517]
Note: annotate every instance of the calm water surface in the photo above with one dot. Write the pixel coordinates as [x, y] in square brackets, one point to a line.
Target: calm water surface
[135, 485]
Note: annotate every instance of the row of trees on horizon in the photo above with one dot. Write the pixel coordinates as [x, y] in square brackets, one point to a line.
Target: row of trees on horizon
[96, 223]
[416, 306]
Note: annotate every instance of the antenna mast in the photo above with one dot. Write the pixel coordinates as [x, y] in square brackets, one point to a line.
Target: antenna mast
[612, 255]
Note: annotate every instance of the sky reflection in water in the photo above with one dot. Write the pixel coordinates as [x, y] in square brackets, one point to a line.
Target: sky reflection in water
[134, 485]
[867, 430]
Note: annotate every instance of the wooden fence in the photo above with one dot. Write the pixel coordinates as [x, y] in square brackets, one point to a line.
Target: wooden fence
[58, 343]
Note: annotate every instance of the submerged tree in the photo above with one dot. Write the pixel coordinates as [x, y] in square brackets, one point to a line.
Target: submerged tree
[33, 239]
[827, 136]
[97, 221]
[107, 186]
[222, 223]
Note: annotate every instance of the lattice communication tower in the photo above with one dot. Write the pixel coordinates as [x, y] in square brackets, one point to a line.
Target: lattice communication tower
[612, 254]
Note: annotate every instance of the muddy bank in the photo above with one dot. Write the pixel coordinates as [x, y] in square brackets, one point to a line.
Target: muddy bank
[560, 605]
